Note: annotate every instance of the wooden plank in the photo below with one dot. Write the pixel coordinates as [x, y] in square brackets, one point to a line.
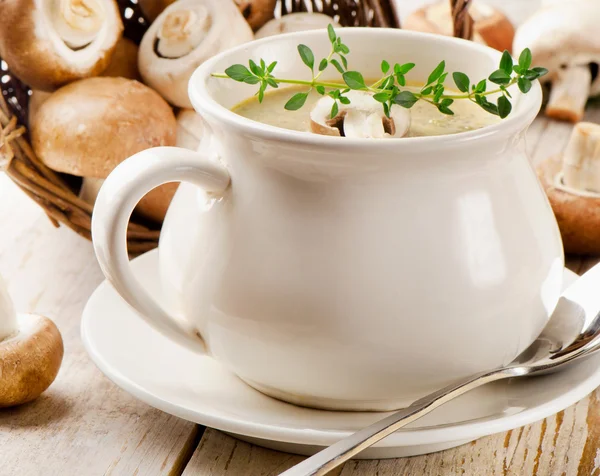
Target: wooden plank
[219, 454]
[83, 424]
[564, 444]
[554, 446]
[534, 134]
[552, 141]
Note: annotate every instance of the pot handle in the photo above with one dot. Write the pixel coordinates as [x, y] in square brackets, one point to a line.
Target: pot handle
[119, 195]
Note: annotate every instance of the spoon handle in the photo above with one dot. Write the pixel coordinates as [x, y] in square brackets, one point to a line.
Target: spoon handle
[331, 457]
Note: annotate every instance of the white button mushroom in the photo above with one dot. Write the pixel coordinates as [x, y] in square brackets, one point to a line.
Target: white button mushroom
[563, 38]
[31, 351]
[291, 22]
[362, 118]
[491, 27]
[183, 36]
[50, 43]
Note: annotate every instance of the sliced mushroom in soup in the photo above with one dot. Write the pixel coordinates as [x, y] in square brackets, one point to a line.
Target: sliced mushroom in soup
[363, 117]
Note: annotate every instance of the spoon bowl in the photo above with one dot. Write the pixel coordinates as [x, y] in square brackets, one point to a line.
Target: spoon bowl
[573, 330]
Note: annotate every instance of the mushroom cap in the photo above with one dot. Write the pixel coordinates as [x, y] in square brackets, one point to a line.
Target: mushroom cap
[36, 99]
[155, 204]
[256, 12]
[90, 126]
[123, 63]
[29, 360]
[152, 8]
[578, 216]
[301, 21]
[562, 34]
[491, 26]
[152, 207]
[224, 28]
[39, 57]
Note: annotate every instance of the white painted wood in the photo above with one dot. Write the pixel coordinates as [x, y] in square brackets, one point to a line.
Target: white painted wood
[83, 424]
[219, 454]
[564, 444]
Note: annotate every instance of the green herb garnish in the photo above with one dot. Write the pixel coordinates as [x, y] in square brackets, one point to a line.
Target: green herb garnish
[387, 90]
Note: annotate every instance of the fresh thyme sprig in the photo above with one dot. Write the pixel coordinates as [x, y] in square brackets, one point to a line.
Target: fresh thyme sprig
[387, 90]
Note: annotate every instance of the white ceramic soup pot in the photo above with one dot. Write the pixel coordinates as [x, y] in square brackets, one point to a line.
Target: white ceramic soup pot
[340, 273]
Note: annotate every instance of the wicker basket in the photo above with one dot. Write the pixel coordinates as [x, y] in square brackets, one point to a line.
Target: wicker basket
[57, 193]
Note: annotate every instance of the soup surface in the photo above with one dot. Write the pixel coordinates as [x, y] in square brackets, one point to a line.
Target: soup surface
[426, 120]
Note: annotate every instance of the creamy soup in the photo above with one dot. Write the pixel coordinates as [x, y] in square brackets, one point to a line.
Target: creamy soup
[426, 120]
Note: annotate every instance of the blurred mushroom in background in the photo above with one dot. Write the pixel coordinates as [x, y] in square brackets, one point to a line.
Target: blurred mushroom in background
[183, 36]
[31, 352]
[152, 8]
[491, 26]
[572, 183]
[50, 44]
[90, 126]
[256, 12]
[296, 22]
[563, 37]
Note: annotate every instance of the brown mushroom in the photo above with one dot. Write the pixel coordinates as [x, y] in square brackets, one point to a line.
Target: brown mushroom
[152, 8]
[31, 351]
[49, 44]
[256, 12]
[90, 126]
[182, 37]
[572, 184]
[123, 63]
[491, 26]
[301, 21]
[563, 38]
[36, 99]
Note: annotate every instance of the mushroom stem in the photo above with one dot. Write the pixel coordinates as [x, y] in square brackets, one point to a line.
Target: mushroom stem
[570, 91]
[182, 31]
[78, 21]
[8, 316]
[581, 160]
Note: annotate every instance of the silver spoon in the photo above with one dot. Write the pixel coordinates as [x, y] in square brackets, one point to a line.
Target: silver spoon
[572, 332]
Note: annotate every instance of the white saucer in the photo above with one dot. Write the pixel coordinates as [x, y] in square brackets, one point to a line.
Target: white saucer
[198, 388]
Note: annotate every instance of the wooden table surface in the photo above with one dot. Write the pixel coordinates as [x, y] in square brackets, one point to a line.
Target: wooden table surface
[85, 425]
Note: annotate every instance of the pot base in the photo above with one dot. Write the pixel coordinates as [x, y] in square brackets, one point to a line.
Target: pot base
[331, 404]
